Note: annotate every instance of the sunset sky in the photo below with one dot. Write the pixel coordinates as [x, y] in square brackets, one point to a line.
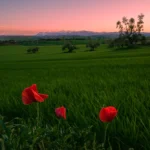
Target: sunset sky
[32, 16]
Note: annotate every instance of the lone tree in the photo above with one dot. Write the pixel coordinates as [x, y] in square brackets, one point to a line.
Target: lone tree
[92, 44]
[129, 32]
[33, 50]
[68, 45]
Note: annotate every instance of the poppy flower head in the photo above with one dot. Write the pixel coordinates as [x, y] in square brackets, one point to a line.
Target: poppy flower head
[61, 112]
[30, 94]
[107, 114]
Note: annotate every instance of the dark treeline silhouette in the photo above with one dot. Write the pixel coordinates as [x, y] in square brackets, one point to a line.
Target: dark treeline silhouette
[8, 42]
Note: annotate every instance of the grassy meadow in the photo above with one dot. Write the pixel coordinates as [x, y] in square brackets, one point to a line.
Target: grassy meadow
[83, 82]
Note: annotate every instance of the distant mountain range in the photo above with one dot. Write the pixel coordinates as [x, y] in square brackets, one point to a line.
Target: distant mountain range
[80, 33]
[69, 34]
[74, 33]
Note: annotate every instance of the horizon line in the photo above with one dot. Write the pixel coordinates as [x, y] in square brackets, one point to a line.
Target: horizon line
[60, 31]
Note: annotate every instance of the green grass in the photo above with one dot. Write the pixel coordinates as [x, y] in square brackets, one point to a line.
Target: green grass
[83, 82]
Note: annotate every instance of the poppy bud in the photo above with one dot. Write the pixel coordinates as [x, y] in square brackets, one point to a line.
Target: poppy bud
[107, 114]
[61, 112]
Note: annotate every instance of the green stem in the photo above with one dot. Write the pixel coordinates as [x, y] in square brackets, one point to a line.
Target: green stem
[38, 114]
[2, 143]
[105, 133]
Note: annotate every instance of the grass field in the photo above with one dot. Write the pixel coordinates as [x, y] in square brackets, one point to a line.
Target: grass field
[83, 82]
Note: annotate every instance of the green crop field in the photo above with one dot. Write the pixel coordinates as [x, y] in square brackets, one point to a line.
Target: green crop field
[83, 82]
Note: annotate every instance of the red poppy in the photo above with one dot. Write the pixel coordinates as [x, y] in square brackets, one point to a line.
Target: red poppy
[107, 114]
[61, 112]
[31, 94]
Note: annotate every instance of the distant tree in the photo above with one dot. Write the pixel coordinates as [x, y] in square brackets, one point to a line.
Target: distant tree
[29, 50]
[147, 41]
[130, 32]
[68, 45]
[92, 44]
[33, 50]
[143, 40]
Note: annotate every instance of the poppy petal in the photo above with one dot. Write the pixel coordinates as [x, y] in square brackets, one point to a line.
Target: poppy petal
[31, 94]
[103, 115]
[112, 112]
[39, 97]
[27, 96]
[34, 87]
[64, 113]
[44, 96]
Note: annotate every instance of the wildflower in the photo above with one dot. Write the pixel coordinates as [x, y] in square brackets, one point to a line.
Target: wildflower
[61, 112]
[107, 114]
[30, 94]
